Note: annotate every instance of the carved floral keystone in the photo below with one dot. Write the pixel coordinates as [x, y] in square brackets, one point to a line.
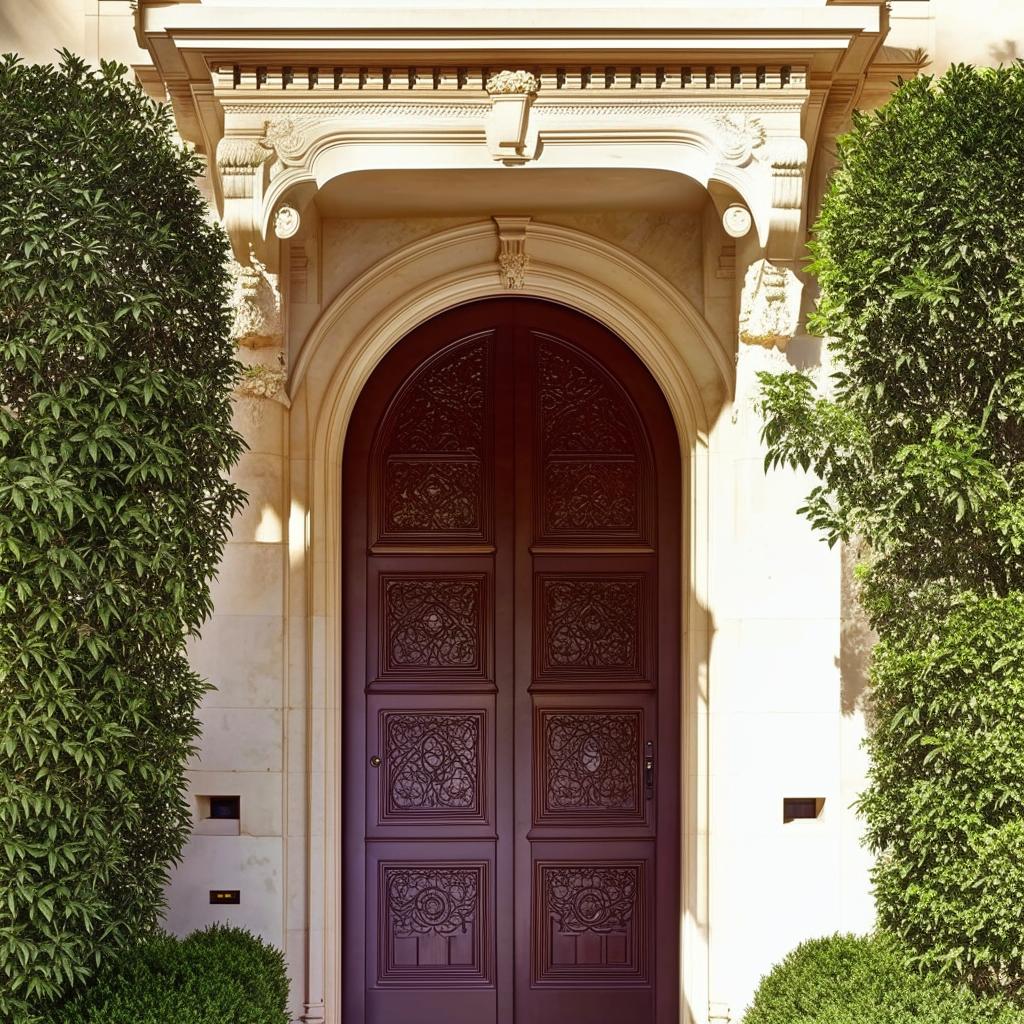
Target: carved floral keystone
[513, 259]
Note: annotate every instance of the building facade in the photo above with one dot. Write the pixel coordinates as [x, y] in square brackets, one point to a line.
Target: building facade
[536, 692]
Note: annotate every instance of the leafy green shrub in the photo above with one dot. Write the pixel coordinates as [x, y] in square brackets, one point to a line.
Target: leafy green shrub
[919, 253]
[115, 377]
[217, 976]
[850, 979]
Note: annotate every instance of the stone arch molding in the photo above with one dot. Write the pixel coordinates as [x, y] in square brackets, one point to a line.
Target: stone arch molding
[558, 263]
[340, 352]
[740, 139]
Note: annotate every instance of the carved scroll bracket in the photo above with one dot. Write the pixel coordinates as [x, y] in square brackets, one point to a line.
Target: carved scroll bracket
[240, 161]
[513, 259]
[770, 300]
[788, 166]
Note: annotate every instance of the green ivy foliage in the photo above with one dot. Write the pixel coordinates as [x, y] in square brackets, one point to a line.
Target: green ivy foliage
[115, 440]
[919, 253]
[216, 976]
[864, 979]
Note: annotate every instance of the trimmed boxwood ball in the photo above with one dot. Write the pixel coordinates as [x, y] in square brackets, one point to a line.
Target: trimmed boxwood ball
[217, 976]
[851, 979]
[116, 372]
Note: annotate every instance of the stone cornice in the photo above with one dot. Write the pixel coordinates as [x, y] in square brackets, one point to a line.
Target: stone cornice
[303, 26]
[736, 98]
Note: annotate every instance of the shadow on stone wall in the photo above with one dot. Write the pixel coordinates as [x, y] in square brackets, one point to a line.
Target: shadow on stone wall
[856, 638]
[1005, 52]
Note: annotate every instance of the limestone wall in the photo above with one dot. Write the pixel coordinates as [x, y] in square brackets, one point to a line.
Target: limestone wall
[94, 29]
[774, 648]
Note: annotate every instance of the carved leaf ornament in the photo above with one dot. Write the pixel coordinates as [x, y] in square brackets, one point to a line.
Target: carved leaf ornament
[591, 761]
[433, 761]
[591, 899]
[432, 900]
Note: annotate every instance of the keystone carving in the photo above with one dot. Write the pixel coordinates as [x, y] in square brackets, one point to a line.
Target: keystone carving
[513, 260]
[770, 305]
[505, 83]
[512, 94]
[256, 302]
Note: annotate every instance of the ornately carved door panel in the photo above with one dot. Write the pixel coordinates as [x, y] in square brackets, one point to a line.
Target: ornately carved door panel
[511, 705]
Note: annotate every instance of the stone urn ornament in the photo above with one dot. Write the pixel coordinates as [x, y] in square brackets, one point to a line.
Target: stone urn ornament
[512, 93]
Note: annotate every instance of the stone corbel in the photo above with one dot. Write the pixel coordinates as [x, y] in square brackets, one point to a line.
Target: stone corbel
[240, 161]
[788, 164]
[513, 259]
[772, 291]
[509, 137]
[256, 302]
[770, 304]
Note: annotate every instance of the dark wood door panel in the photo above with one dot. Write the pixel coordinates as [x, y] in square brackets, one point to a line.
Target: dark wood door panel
[431, 769]
[594, 619]
[511, 664]
[589, 776]
[432, 477]
[430, 622]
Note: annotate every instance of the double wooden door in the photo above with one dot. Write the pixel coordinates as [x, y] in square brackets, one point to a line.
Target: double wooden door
[511, 704]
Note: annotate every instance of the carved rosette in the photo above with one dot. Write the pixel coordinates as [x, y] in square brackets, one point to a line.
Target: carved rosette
[736, 220]
[284, 137]
[286, 221]
[741, 136]
[770, 305]
[431, 900]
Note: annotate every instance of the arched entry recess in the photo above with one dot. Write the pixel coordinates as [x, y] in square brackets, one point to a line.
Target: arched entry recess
[511, 678]
[354, 334]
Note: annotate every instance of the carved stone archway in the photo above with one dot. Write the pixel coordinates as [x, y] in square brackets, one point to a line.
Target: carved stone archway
[339, 354]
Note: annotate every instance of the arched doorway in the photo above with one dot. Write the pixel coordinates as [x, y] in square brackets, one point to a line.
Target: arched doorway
[511, 693]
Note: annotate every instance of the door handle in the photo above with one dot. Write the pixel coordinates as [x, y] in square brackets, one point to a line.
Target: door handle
[649, 769]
